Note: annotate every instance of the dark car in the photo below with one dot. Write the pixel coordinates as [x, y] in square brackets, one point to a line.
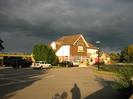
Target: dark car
[66, 64]
[19, 63]
[16, 62]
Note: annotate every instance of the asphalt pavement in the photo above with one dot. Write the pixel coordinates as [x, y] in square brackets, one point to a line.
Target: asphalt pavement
[57, 83]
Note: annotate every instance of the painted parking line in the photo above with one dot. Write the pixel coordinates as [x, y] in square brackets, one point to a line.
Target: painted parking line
[19, 75]
[17, 81]
[9, 79]
[11, 74]
[6, 84]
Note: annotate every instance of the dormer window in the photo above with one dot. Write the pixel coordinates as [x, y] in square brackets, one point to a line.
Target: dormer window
[80, 49]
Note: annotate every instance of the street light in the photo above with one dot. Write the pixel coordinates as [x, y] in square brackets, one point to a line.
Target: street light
[98, 57]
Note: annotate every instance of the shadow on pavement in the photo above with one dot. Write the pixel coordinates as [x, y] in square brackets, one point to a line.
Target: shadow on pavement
[17, 79]
[106, 92]
[62, 96]
[75, 93]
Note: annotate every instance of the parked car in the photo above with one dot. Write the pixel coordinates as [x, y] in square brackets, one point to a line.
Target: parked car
[16, 62]
[41, 65]
[66, 64]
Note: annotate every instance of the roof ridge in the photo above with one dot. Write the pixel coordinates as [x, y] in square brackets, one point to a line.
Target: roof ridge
[68, 36]
[91, 45]
[71, 35]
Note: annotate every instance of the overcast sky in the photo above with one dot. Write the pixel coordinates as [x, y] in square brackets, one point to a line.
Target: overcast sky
[24, 23]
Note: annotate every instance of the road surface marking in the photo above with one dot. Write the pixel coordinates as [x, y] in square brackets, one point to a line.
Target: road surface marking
[9, 74]
[17, 81]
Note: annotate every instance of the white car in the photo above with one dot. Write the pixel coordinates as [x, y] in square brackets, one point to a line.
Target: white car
[41, 65]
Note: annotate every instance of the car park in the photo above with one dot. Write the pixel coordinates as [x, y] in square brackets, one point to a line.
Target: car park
[41, 65]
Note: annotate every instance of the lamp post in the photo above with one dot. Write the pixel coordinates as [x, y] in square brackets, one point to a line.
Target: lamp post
[98, 56]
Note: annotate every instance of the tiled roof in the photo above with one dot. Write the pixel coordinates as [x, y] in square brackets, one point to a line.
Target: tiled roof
[71, 40]
[92, 46]
[68, 39]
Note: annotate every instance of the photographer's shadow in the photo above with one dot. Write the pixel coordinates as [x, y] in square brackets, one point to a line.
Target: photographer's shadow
[76, 92]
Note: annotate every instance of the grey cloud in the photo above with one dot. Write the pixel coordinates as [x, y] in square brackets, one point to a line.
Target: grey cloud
[19, 42]
[128, 1]
[105, 20]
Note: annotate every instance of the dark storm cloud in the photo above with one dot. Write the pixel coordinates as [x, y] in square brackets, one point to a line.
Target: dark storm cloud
[46, 20]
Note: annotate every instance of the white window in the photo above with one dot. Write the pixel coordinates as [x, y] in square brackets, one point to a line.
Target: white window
[80, 49]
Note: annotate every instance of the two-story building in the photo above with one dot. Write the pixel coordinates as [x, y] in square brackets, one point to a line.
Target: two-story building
[74, 48]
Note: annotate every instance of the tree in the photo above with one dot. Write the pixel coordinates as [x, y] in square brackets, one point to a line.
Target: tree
[127, 54]
[43, 52]
[1, 46]
[115, 57]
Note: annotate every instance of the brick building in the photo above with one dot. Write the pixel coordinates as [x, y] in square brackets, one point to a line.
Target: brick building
[74, 48]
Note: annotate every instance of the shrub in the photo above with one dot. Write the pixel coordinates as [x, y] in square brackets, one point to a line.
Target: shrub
[123, 81]
[127, 54]
[124, 75]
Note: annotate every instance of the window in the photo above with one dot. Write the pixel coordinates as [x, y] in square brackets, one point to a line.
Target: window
[80, 49]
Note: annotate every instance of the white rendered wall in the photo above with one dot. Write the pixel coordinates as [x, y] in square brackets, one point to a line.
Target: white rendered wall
[64, 51]
[92, 52]
[53, 45]
[93, 55]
